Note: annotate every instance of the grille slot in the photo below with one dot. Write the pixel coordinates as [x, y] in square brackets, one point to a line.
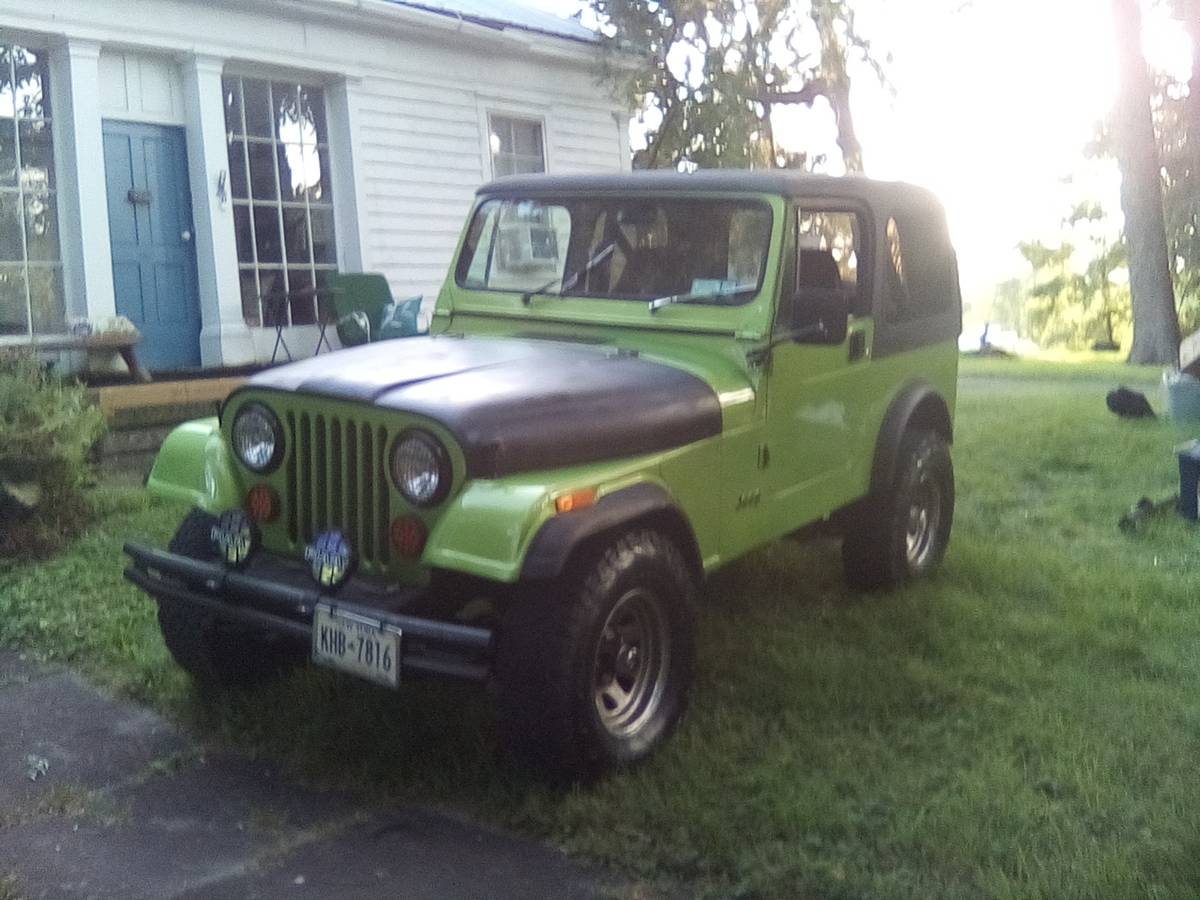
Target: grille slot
[337, 478]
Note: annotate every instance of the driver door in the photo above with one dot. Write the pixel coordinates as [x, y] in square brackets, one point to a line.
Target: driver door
[817, 392]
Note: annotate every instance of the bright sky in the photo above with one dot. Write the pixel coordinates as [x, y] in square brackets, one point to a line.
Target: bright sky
[994, 103]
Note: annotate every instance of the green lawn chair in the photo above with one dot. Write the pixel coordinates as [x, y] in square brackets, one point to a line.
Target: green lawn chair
[358, 292]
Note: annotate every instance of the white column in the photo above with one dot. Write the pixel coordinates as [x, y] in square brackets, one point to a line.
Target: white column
[225, 339]
[347, 183]
[82, 195]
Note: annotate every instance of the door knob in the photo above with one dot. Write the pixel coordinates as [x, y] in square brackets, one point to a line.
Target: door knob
[186, 236]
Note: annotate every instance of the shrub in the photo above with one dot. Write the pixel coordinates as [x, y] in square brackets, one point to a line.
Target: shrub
[47, 432]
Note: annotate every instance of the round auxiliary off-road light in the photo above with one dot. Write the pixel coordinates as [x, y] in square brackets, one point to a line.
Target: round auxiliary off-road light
[330, 559]
[257, 438]
[234, 537]
[420, 468]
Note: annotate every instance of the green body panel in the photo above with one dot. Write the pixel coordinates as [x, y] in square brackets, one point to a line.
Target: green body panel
[800, 424]
[196, 466]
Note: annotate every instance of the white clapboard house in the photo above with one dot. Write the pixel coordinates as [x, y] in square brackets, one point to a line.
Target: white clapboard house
[199, 166]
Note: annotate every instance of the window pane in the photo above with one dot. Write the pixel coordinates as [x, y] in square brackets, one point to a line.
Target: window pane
[266, 233]
[46, 298]
[528, 138]
[250, 309]
[8, 152]
[324, 244]
[233, 106]
[245, 239]
[41, 227]
[527, 164]
[295, 229]
[501, 137]
[503, 165]
[262, 171]
[238, 187]
[291, 171]
[37, 162]
[10, 228]
[32, 83]
[286, 114]
[301, 296]
[274, 303]
[312, 110]
[8, 106]
[13, 312]
[323, 191]
[257, 104]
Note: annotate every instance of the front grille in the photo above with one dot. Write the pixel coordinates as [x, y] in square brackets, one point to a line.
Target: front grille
[337, 478]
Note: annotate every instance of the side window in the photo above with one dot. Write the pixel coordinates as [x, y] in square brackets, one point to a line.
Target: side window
[829, 248]
[921, 271]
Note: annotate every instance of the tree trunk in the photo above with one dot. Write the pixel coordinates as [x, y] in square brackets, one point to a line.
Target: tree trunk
[1155, 321]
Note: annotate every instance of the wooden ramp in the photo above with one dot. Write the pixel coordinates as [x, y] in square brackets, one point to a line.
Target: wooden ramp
[140, 416]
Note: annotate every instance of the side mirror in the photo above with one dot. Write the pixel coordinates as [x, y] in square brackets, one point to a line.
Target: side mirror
[821, 316]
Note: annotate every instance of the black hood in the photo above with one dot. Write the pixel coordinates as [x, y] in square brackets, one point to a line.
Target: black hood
[518, 405]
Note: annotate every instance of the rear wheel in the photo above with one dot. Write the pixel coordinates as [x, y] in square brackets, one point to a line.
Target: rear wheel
[903, 532]
[594, 670]
[214, 652]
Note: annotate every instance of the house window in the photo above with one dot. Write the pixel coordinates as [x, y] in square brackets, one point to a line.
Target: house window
[282, 203]
[31, 291]
[516, 145]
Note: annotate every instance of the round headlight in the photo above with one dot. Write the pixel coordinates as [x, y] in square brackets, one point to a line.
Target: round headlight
[420, 468]
[257, 438]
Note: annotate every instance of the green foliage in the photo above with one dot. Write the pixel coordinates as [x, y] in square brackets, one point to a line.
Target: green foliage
[704, 75]
[1023, 725]
[47, 432]
[1062, 307]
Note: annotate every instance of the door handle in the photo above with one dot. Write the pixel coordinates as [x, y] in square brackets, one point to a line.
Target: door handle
[185, 236]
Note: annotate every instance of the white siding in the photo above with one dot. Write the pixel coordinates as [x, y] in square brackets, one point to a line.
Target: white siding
[413, 91]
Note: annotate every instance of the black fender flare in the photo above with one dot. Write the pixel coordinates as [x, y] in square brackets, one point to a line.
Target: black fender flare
[918, 404]
[562, 535]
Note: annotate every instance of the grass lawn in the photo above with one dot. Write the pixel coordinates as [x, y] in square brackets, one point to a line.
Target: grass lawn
[1024, 725]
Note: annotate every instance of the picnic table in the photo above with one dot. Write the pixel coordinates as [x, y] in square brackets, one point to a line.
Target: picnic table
[121, 342]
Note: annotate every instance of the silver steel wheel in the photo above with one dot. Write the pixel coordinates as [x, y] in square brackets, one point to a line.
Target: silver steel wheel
[632, 658]
[924, 519]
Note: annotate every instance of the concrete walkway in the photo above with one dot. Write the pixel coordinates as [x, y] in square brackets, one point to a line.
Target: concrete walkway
[101, 798]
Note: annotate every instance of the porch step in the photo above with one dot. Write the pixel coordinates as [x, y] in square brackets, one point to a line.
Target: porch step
[141, 416]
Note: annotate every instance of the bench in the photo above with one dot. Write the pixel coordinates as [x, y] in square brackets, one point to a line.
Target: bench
[122, 343]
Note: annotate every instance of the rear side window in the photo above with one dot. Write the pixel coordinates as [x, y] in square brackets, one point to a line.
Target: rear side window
[920, 267]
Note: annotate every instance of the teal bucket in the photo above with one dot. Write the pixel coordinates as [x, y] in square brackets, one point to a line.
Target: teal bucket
[1183, 401]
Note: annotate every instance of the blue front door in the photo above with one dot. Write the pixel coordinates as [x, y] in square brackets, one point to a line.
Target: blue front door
[150, 223]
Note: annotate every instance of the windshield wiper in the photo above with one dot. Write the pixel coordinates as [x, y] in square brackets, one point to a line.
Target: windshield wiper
[697, 296]
[570, 281]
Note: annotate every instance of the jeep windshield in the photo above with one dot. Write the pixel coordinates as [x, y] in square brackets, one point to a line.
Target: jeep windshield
[618, 248]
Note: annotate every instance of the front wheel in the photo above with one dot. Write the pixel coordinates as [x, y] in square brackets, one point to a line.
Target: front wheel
[902, 533]
[216, 653]
[593, 670]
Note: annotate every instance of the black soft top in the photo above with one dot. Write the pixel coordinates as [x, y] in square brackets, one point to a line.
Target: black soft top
[784, 182]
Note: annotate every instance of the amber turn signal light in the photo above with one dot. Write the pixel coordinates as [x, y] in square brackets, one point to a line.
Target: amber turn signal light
[262, 504]
[408, 536]
[580, 499]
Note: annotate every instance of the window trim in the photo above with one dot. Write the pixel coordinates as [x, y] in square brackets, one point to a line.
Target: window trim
[280, 206]
[487, 109]
[866, 252]
[25, 264]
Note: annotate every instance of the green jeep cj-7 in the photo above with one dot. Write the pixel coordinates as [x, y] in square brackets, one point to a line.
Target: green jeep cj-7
[631, 381]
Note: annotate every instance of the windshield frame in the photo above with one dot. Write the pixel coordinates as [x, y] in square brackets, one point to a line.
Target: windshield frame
[746, 297]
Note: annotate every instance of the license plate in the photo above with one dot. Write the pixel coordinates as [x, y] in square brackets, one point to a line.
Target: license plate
[356, 644]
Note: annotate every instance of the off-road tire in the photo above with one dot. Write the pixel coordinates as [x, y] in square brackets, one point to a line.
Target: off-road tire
[566, 649]
[902, 533]
[217, 654]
